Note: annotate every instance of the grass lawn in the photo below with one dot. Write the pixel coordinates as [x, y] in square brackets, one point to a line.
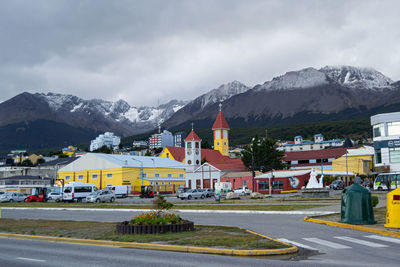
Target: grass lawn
[203, 236]
[379, 215]
[266, 207]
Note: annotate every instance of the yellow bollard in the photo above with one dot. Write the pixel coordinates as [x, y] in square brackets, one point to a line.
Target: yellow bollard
[393, 209]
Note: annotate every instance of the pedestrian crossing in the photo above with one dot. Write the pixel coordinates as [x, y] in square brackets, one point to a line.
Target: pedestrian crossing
[343, 242]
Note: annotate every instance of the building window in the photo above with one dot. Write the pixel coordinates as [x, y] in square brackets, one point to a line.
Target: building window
[181, 175]
[169, 175]
[189, 145]
[109, 175]
[263, 185]
[162, 183]
[378, 156]
[217, 134]
[168, 155]
[151, 183]
[67, 178]
[80, 177]
[144, 175]
[244, 183]
[197, 162]
[393, 128]
[157, 175]
[94, 176]
[189, 162]
[394, 154]
[225, 134]
[277, 185]
[169, 183]
[379, 130]
[197, 145]
[217, 143]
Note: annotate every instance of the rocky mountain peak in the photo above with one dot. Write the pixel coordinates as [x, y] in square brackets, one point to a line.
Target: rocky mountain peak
[355, 77]
[305, 78]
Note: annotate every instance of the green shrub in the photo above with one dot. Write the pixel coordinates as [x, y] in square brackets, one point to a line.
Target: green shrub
[375, 201]
[154, 217]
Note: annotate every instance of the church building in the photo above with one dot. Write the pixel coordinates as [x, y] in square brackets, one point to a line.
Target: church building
[205, 167]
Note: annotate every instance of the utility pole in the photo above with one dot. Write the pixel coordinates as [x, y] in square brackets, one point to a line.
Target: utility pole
[347, 169]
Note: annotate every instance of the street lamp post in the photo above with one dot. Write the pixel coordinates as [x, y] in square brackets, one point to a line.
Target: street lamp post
[141, 168]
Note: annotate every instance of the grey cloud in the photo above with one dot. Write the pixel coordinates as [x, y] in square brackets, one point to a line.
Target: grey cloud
[145, 51]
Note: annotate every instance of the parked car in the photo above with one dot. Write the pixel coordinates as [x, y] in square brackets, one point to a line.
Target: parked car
[242, 191]
[192, 193]
[12, 197]
[337, 185]
[208, 192]
[54, 196]
[181, 190]
[101, 196]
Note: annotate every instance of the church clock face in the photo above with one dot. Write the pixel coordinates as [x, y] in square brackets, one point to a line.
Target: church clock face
[197, 152]
[189, 152]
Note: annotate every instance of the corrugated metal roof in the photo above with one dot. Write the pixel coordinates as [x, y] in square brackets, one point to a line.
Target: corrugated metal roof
[137, 161]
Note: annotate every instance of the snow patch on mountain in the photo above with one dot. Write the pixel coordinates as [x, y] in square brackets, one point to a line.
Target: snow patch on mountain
[304, 78]
[119, 111]
[222, 93]
[355, 77]
[348, 76]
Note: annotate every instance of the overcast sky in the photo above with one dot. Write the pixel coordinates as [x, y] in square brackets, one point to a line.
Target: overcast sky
[150, 51]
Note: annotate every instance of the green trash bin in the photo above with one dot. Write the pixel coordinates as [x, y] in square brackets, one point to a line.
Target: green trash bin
[357, 206]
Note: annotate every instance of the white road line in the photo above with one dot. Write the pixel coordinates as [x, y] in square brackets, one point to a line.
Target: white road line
[296, 244]
[361, 242]
[268, 212]
[326, 243]
[384, 238]
[29, 259]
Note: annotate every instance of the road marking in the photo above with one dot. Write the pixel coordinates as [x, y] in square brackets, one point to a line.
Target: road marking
[267, 212]
[361, 242]
[384, 238]
[29, 259]
[326, 243]
[296, 244]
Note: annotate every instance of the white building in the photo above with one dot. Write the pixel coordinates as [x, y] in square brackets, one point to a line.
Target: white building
[303, 145]
[161, 140]
[386, 131]
[107, 139]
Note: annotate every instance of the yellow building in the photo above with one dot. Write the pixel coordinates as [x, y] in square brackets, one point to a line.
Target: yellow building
[358, 161]
[108, 169]
[221, 136]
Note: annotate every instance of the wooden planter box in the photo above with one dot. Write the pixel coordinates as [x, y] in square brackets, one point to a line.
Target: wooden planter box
[154, 229]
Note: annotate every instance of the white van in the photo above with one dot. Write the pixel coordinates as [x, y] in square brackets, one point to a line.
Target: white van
[78, 191]
[380, 181]
[120, 190]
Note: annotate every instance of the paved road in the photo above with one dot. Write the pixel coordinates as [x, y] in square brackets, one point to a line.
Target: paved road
[334, 245]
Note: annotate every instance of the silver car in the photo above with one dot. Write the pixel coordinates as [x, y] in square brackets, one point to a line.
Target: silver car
[192, 193]
[12, 197]
[101, 196]
[54, 196]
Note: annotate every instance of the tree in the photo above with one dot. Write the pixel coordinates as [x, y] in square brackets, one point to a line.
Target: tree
[40, 161]
[206, 145]
[27, 162]
[104, 149]
[266, 156]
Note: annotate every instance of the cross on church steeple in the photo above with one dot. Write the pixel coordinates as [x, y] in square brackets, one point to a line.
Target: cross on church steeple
[220, 106]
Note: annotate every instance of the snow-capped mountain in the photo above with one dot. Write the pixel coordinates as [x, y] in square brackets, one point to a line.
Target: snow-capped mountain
[119, 111]
[347, 76]
[329, 93]
[207, 101]
[354, 77]
[221, 93]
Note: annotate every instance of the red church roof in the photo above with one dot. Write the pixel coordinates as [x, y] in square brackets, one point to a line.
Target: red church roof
[192, 137]
[213, 157]
[220, 122]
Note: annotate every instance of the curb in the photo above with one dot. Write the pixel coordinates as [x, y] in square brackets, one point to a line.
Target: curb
[354, 227]
[149, 246]
[293, 212]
